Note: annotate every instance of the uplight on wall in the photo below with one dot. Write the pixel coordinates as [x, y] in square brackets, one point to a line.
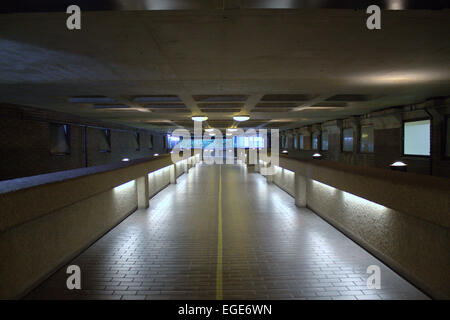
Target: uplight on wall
[241, 118]
[368, 205]
[125, 159]
[127, 186]
[156, 154]
[317, 156]
[399, 166]
[284, 151]
[199, 118]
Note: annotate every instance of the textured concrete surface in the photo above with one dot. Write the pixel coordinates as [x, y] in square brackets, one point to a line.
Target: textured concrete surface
[45, 225]
[250, 52]
[413, 238]
[270, 249]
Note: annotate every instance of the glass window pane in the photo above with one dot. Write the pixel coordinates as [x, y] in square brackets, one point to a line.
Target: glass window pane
[325, 140]
[366, 139]
[416, 139]
[347, 135]
[59, 139]
[315, 140]
[105, 140]
[150, 141]
[300, 137]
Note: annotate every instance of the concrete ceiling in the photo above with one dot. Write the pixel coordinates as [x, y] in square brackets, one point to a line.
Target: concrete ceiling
[285, 68]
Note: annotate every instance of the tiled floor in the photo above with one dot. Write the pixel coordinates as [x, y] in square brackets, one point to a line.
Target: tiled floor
[270, 249]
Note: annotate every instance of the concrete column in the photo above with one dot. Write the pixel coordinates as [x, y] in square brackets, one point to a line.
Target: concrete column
[300, 190]
[269, 178]
[173, 174]
[143, 192]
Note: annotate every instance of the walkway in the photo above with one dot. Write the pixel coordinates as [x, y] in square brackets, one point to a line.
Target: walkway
[222, 232]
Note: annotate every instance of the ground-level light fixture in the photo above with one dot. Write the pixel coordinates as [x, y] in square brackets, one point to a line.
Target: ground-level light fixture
[125, 159]
[199, 118]
[399, 166]
[317, 156]
[156, 154]
[241, 118]
[284, 151]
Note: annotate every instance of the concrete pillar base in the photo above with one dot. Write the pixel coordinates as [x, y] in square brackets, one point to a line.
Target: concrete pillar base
[300, 190]
[173, 174]
[143, 192]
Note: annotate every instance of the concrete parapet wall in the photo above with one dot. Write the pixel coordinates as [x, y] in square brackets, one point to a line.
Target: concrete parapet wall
[47, 220]
[401, 218]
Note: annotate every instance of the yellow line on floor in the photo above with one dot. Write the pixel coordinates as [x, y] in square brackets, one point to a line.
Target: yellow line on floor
[219, 242]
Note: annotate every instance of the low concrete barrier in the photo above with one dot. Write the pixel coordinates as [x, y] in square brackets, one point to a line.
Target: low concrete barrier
[47, 220]
[401, 218]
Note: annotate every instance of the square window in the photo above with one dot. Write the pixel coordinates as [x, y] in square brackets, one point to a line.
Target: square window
[137, 140]
[325, 140]
[105, 140]
[347, 140]
[150, 141]
[366, 139]
[315, 140]
[59, 139]
[416, 138]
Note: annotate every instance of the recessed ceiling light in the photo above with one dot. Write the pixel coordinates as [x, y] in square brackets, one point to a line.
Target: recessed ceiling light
[398, 164]
[199, 118]
[241, 118]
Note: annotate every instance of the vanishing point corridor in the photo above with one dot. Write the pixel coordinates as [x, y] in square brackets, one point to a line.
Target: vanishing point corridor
[223, 232]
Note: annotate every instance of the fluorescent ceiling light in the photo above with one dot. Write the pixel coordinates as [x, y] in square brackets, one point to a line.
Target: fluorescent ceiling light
[241, 118]
[209, 129]
[199, 118]
[232, 129]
